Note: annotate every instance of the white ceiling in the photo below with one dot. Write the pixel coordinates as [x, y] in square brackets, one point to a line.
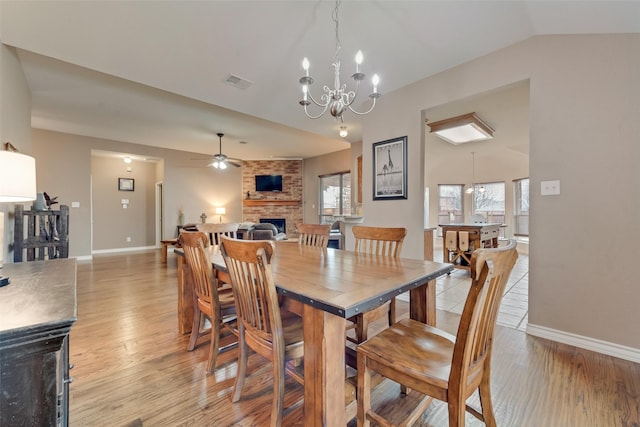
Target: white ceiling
[152, 72]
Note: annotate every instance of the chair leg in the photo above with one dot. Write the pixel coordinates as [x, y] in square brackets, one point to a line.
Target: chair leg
[485, 401]
[364, 391]
[214, 343]
[242, 366]
[277, 406]
[456, 411]
[195, 327]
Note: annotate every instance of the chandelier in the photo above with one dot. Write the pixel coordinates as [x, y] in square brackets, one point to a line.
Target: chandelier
[338, 99]
[470, 189]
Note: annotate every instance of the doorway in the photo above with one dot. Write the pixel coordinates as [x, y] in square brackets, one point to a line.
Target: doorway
[503, 159]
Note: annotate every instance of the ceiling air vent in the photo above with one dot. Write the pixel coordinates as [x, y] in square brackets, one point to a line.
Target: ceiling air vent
[237, 81]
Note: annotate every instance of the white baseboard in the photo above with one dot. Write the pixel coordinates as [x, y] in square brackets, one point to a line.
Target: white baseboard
[604, 347]
[121, 250]
[83, 257]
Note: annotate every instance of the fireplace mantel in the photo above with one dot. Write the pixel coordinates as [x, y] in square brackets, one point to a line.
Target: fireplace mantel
[257, 202]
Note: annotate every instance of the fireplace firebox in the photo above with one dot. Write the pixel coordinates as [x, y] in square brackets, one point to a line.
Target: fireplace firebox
[280, 223]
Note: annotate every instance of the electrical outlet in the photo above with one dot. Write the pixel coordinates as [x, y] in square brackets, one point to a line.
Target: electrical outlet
[128, 239]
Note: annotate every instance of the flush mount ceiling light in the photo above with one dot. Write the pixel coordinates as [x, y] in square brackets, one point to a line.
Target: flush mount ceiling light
[338, 99]
[462, 129]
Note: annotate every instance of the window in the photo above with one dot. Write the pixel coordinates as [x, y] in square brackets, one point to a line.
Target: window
[521, 188]
[450, 204]
[335, 196]
[488, 200]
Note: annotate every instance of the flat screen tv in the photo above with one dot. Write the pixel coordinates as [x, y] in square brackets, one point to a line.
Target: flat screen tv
[268, 182]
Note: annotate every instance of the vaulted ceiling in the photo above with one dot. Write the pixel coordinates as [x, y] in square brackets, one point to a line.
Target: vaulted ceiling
[153, 72]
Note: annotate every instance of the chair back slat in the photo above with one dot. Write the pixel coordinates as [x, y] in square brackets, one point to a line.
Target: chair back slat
[198, 263]
[314, 234]
[249, 266]
[490, 270]
[214, 231]
[386, 241]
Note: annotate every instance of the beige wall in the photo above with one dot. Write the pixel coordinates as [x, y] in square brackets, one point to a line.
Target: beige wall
[113, 223]
[584, 104]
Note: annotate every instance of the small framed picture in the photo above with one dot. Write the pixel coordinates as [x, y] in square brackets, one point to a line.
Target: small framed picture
[390, 169]
[125, 184]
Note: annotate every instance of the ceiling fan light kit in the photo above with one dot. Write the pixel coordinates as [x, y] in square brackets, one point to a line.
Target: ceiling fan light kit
[220, 161]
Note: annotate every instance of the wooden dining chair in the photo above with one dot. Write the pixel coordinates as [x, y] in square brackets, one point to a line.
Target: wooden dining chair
[272, 332]
[435, 363]
[216, 303]
[314, 234]
[214, 231]
[383, 241]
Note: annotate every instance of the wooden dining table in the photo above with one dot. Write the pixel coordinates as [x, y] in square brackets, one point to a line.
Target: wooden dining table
[333, 285]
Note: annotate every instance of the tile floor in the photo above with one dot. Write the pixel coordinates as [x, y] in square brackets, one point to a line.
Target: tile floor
[451, 291]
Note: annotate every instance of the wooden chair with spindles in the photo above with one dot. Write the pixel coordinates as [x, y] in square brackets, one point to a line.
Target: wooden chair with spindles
[314, 234]
[436, 364]
[216, 303]
[214, 231]
[382, 241]
[263, 325]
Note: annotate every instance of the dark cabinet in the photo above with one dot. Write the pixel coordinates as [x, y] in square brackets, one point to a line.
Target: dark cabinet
[37, 310]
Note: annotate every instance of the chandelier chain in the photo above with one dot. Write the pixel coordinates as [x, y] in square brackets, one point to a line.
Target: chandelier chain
[336, 19]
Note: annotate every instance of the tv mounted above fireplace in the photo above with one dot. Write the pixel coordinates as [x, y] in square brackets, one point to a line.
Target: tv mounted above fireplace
[268, 182]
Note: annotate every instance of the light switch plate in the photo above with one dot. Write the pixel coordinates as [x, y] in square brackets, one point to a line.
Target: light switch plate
[549, 188]
[75, 204]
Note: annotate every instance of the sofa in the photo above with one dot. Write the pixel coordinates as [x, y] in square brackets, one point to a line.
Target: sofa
[266, 231]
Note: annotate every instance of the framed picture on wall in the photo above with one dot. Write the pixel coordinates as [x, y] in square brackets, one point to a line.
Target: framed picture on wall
[125, 184]
[390, 169]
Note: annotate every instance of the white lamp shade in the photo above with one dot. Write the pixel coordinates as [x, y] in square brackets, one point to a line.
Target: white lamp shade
[221, 211]
[17, 177]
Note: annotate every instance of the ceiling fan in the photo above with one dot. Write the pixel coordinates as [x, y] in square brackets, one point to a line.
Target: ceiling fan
[220, 161]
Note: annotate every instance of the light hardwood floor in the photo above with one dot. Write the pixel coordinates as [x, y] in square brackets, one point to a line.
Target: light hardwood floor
[132, 367]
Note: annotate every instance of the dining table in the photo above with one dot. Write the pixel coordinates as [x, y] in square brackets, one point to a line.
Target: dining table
[331, 286]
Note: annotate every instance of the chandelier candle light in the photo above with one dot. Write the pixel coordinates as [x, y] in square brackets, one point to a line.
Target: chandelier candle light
[338, 99]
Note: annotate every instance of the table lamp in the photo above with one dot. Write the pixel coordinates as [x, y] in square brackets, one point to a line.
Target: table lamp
[221, 211]
[17, 184]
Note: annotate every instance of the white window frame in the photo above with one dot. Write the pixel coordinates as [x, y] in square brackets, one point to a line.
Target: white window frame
[344, 201]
